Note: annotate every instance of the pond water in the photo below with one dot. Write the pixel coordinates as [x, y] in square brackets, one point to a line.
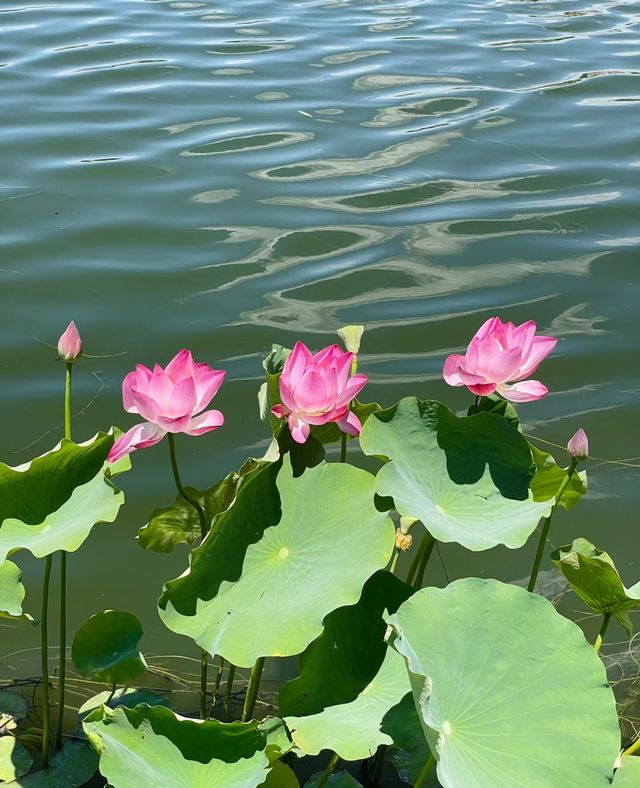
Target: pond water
[227, 176]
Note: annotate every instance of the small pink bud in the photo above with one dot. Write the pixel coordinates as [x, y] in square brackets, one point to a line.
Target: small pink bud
[578, 446]
[70, 344]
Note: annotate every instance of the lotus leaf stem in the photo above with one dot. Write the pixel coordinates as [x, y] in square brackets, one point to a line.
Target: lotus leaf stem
[343, 447]
[44, 656]
[252, 690]
[227, 695]
[605, 623]
[547, 526]
[329, 770]
[420, 561]
[426, 769]
[216, 686]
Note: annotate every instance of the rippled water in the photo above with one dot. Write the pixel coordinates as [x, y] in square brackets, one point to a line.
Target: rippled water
[225, 177]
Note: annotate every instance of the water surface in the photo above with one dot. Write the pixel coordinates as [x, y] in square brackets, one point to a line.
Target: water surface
[225, 177]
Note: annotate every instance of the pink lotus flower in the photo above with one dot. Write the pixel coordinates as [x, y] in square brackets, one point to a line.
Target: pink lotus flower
[499, 358]
[70, 344]
[317, 389]
[168, 399]
[578, 446]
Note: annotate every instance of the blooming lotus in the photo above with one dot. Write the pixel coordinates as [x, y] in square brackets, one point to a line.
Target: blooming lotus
[70, 344]
[500, 358]
[317, 389]
[169, 400]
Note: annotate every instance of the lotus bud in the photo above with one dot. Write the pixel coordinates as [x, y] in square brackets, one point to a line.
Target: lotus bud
[403, 541]
[351, 336]
[578, 446]
[70, 344]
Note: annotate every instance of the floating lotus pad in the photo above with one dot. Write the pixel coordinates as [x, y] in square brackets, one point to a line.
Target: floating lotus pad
[454, 473]
[510, 692]
[299, 571]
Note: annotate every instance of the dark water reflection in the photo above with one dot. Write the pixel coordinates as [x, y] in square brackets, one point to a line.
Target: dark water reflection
[178, 173]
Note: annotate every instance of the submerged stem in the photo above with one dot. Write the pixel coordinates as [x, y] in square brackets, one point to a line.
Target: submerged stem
[547, 526]
[252, 690]
[44, 654]
[605, 623]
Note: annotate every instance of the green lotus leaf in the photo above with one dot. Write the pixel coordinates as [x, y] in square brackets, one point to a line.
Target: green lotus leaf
[13, 708]
[105, 648]
[14, 759]
[218, 560]
[70, 767]
[628, 773]
[180, 523]
[592, 575]
[409, 751]
[459, 476]
[53, 502]
[353, 730]
[152, 746]
[509, 691]
[281, 776]
[350, 649]
[339, 779]
[278, 741]
[550, 477]
[501, 407]
[297, 571]
[123, 696]
[11, 592]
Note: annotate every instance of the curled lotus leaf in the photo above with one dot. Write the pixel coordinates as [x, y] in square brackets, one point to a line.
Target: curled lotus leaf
[11, 592]
[509, 692]
[466, 478]
[170, 751]
[353, 730]
[105, 648]
[298, 570]
[550, 477]
[592, 574]
[52, 502]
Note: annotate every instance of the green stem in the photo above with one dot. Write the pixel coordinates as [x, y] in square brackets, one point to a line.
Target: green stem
[633, 749]
[204, 657]
[227, 694]
[111, 694]
[394, 560]
[216, 686]
[426, 548]
[62, 666]
[252, 690]
[378, 764]
[180, 488]
[44, 653]
[329, 770]
[422, 777]
[423, 564]
[343, 447]
[547, 526]
[605, 623]
[204, 662]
